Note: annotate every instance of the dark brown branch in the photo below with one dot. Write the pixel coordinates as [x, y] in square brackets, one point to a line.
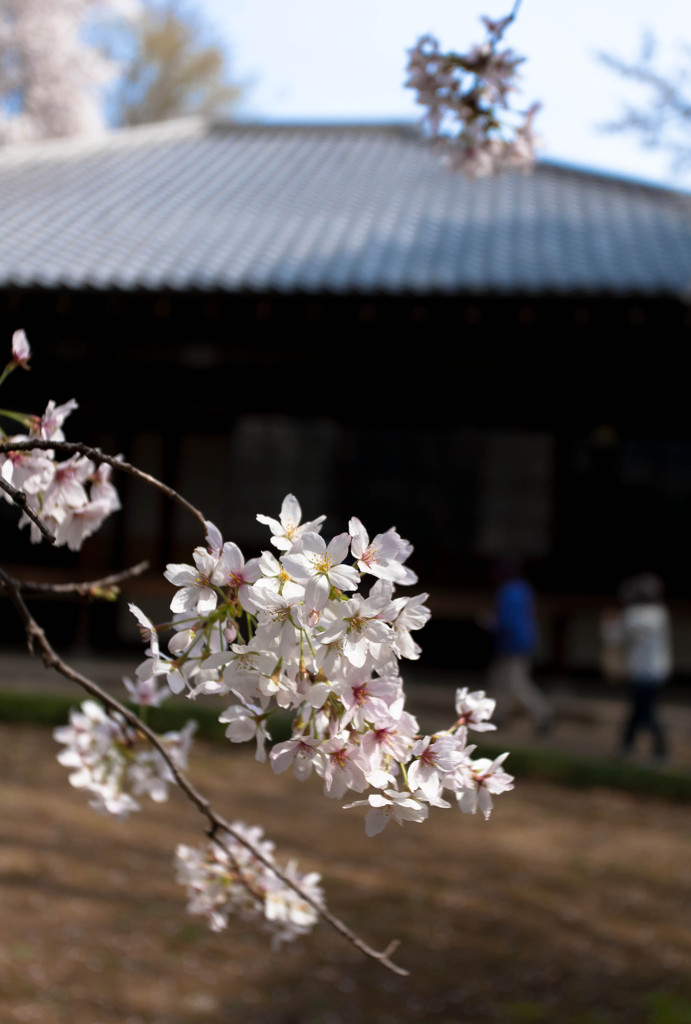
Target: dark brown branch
[37, 642]
[87, 588]
[20, 499]
[240, 874]
[79, 448]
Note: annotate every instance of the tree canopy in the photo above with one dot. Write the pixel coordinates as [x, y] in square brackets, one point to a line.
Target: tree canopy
[173, 70]
[70, 69]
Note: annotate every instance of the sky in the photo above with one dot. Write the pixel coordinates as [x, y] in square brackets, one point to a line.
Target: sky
[319, 60]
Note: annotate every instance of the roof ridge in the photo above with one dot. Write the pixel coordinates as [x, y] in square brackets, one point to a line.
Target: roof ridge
[195, 124]
[172, 128]
[410, 128]
[609, 177]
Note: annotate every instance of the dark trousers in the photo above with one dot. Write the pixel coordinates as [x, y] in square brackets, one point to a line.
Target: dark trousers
[644, 697]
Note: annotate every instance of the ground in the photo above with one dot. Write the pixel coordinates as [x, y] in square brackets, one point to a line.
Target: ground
[567, 906]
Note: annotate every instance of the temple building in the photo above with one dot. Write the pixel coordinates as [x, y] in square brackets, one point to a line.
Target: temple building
[493, 366]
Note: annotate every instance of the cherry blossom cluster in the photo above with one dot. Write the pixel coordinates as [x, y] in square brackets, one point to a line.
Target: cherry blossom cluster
[467, 96]
[298, 632]
[315, 631]
[73, 496]
[109, 758]
[114, 763]
[227, 878]
[52, 71]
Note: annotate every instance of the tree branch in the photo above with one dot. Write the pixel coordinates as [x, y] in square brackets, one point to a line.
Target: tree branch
[665, 119]
[79, 448]
[37, 642]
[87, 588]
[20, 499]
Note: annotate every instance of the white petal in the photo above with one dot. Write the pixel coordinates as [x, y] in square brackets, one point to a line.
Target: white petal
[375, 821]
[317, 592]
[207, 601]
[338, 547]
[291, 513]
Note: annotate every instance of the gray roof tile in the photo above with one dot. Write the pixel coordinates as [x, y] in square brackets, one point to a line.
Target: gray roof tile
[335, 208]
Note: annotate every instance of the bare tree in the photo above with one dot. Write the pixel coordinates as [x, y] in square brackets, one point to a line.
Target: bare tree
[663, 119]
[174, 70]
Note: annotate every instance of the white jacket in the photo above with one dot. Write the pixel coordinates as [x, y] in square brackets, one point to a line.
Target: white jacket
[646, 643]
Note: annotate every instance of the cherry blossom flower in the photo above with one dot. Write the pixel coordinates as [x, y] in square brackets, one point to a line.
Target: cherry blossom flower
[287, 529]
[390, 804]
[410, 613]
[278, 620]
[475, 709]
[156, 664]
[322, 567]
[341, 766]
[145, 692]
[50, 424]
[275, 577]
[197, 589]
[358, 629]
[364, 697]
[102, 489]
[80, 523]
[245, 722]
[232, 571]
[381, 556]
[30, 471]
[392, 736]
[436, 758]
[299, 751]
[66, 489]
[247, 666]
[488, 778]
[147, 630]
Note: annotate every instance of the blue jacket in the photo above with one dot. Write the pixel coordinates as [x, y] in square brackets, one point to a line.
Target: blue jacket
[515, 630]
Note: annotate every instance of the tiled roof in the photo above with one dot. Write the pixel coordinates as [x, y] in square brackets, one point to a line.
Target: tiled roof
[314, 208]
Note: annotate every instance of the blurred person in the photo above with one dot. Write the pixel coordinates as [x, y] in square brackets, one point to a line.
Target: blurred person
[642, 633]
[514, 628]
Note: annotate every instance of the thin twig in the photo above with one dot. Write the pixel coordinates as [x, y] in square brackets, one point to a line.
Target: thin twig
[241, 877]
[36, 639]
[20, 499]
[514, 12]
[79, 448]
[87, 588]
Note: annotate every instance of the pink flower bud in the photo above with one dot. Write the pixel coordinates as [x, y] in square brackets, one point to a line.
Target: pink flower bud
[21, 350]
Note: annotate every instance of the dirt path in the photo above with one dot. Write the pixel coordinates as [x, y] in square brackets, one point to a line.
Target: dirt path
[568, 907]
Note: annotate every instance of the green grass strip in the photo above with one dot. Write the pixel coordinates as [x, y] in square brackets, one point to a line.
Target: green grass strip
[589, 772]
[525, 762]
[53, 709]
